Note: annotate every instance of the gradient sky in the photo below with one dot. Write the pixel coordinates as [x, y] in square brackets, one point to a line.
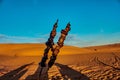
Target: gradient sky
[93, 22]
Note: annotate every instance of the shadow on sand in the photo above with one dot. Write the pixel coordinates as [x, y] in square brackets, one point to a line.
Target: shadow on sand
[37, 76]
[69, 73]
[16, 74]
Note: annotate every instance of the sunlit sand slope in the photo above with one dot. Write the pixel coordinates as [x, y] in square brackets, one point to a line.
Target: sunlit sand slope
[35, 50]
[20, 62]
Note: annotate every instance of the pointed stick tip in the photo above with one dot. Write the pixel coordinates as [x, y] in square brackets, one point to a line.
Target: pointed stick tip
[68, 23]
[57, 20]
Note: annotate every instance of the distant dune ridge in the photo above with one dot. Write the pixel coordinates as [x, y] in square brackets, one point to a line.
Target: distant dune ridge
[38, 49]
[73, 63]
[35, 50]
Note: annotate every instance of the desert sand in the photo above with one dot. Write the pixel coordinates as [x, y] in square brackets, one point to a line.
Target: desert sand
[20, 62]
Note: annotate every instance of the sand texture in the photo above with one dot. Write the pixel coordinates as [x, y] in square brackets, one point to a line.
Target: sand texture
[20, 62]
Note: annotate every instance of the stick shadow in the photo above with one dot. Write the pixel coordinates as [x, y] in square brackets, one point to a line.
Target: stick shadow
[37, 76]
[69, 73]
[16, 74]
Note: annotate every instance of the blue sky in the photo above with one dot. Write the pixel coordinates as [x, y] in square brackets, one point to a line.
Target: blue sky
[93, 22]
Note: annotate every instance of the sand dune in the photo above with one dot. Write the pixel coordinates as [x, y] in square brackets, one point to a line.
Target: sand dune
[35, 50]
[20, 62]
[38, 49]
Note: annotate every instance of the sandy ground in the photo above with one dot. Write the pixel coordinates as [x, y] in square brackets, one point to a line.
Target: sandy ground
[20, 62]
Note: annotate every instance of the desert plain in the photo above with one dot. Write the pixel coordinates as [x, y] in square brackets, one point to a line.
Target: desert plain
[21, 62]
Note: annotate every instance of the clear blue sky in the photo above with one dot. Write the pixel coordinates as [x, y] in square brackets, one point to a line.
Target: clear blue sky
[93, 22]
